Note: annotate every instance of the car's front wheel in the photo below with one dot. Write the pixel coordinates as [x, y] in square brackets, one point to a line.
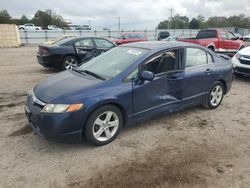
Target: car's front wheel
[215, 96]
[69, 62]
[103, 125]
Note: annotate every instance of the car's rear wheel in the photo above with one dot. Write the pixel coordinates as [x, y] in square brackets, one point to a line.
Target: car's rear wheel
[69, 62]
[215, 96]
[211, 48]
[237, 74]
[103, 125]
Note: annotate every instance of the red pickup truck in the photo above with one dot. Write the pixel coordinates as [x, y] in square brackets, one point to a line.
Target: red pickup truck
[130, 37]
[217, 40]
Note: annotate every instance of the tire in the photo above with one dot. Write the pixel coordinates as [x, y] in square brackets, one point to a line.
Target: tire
[237, 74]
[242, 47]
[103, 125]
[215, 96]
[69, 62]
[211, 48]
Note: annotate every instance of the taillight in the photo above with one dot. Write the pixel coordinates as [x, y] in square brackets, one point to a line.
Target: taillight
[44, 51]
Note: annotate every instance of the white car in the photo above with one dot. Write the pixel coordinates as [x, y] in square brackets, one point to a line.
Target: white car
[53, 27]
[29, 26]
[241, 62]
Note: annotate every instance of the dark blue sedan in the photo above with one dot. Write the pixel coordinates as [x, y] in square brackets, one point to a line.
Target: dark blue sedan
[126, 85]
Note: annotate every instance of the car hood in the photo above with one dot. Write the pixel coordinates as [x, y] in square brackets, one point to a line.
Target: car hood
[245, 51]
[63, 84]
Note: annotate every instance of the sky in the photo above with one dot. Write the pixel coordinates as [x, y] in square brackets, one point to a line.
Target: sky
[134, 14]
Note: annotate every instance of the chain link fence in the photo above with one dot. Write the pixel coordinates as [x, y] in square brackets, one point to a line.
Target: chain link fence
[41, 36]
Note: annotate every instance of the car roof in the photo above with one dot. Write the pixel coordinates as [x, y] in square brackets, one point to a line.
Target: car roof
[76, 38]
[155, 45]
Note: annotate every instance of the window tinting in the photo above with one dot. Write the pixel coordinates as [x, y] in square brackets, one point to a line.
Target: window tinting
[195, 57]
[101, 43]
[207, 34]
[84, 42]
[164, 62]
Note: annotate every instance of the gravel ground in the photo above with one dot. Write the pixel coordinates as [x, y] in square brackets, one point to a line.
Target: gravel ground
[193, 148]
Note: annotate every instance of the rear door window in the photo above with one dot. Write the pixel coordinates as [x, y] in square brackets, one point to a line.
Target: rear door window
[84, 43]
[102, 43]
[195, 57]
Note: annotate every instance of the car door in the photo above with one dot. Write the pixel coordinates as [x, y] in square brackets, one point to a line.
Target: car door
[224, 42]
[84, 49]
[101, 45]
[153, 97]
[200, 74]
[234, 44]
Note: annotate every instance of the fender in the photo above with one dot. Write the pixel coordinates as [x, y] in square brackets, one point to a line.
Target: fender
[112, 101]
[212, 45]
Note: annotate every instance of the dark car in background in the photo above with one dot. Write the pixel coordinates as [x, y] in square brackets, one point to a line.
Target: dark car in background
[130, 37]
[126, 85]
[71, 52]
[163, 35]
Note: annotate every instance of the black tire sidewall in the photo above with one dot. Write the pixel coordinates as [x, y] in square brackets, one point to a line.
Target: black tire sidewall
[208, 103]
[87, 131]
[63, 67]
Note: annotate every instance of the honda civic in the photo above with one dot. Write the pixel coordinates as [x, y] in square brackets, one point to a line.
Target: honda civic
[128, 84]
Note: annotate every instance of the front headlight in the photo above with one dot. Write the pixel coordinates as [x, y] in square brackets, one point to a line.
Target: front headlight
[238, 56]
[60, 108]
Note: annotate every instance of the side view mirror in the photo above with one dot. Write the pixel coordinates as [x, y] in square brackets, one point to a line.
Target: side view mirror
[147, 75]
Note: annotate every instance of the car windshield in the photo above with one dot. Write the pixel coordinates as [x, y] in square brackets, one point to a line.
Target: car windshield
[113, 62]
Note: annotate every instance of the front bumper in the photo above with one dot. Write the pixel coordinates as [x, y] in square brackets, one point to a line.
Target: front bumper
[240, 68]
[52, 126]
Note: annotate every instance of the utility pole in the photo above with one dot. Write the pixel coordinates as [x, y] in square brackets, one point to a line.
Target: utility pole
[119, 24]
[89, 23]
[171, 15]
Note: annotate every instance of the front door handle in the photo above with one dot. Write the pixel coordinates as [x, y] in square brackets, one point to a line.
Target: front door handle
[172, 78]
[208, 71]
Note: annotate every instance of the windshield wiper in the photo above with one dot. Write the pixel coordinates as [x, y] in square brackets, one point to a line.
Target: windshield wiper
[78, 71]
[93, 74]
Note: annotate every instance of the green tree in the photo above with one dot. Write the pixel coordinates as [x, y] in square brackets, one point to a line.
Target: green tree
[23, 20]
[5, 18]
[179, 22]
[163, 25]
[194, 24]
[47, 17]
[201, 19]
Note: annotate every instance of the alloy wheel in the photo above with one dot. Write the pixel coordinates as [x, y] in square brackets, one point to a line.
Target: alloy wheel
[70, 63]
[216, 95]
[105, 126]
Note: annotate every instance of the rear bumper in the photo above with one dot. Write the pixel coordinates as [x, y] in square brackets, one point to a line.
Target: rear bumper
[49, 61]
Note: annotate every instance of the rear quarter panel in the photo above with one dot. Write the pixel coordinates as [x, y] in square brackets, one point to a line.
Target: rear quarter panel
[225, 72]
